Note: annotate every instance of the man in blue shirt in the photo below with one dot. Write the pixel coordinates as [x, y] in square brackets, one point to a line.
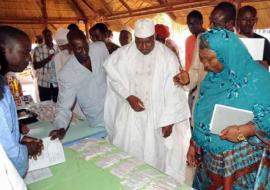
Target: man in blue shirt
[15, 47]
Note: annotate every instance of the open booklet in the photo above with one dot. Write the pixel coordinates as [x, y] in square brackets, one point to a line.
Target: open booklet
[224, 116]
[52, 154]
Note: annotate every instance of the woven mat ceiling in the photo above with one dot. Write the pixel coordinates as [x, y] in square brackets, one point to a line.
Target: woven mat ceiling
[33, 16]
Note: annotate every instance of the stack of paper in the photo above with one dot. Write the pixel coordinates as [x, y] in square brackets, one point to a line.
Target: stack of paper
[112, 159]
[37, 175]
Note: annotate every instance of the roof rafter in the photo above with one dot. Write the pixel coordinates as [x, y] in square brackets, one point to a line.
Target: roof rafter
[44, 11]
[89, 6]
[106, 7]
[125, 5]
[51, 20]
[172, 15]
[54, 27]
[80, 10]
[169, 7]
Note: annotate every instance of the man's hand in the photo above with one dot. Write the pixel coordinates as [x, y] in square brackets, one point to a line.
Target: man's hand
[57, 133]
[264, 64]
[49, 58]
[181, 78]
[23, 129]
[135, 103]
[191, 155]
[34, 146]
[167, 130]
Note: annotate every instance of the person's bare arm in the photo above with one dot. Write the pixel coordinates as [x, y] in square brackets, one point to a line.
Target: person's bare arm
[40, 64]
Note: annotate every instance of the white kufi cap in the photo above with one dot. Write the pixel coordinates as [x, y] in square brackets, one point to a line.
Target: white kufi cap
[144, 28]
[60, 36]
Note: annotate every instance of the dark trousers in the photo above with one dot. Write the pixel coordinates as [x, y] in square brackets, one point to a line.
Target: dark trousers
[48, 93]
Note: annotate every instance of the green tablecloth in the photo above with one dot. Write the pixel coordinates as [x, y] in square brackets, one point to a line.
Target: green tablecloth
[81, 130]
[78, 174]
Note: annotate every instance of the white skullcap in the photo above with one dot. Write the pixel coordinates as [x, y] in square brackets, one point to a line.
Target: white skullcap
[144, 28]
[60, 36]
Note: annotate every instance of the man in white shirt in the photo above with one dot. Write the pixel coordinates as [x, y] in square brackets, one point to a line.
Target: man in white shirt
[81, 80]
[62, 57]
[145, 113]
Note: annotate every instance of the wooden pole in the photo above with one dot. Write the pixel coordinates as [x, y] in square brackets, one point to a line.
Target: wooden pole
[86, 24]
[44, 12]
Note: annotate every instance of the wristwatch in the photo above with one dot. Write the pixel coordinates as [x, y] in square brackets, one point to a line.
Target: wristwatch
[240, 136]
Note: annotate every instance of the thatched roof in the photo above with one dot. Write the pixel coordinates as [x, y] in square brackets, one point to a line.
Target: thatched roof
[33, 16]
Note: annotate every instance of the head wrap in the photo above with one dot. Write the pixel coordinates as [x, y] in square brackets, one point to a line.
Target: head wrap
[242, 83]
[162, 30]
[60, 36]
[144, 28]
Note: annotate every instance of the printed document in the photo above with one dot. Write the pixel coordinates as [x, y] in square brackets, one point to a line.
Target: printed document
[52, 154]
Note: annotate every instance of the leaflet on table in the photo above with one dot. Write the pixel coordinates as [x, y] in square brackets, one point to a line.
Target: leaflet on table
[52, 154]
[123, 169]
[93, 151]
[83, 144]
[112, 159]
[37, 175]
[224, 116]
[135, 181]
[167, 183]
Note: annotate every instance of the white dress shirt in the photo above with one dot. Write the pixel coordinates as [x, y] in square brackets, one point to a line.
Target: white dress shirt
[78, 84]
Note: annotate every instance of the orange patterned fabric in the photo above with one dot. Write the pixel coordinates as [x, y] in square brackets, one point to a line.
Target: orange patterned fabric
[190, 45]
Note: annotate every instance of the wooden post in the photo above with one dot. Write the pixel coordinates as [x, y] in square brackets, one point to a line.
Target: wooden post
[86, 24]
[44, 12]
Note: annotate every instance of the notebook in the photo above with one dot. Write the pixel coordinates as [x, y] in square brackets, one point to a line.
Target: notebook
[224, 116]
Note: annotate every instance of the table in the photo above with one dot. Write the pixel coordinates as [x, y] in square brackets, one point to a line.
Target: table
[79, 174]
[75, 132]
[78, 129]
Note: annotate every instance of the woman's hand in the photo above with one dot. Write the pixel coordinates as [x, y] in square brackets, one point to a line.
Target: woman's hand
[233, 132]
[230, 133]
[193, 154]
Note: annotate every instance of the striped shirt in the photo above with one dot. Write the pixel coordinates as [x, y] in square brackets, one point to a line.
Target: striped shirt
[46, 75]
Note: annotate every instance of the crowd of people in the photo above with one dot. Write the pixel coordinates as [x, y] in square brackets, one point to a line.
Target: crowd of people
[138, 92]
